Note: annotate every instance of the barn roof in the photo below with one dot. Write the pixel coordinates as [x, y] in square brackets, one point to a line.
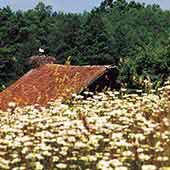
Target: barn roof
[49, 82]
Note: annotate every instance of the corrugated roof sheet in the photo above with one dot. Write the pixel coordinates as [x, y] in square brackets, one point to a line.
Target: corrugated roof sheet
[49, 82]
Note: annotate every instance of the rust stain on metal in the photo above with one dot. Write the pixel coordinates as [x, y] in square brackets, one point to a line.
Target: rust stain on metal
[49, 82]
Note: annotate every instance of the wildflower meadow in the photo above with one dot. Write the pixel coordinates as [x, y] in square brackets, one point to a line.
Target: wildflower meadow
[107, 131]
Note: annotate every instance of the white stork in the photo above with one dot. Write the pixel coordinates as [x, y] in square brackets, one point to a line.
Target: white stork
[41, 50]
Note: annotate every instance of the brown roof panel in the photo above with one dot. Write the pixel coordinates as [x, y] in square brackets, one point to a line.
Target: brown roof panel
[49, 82]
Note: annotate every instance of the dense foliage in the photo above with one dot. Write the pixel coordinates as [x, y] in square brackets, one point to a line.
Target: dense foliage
[108, 131]
[131, 35]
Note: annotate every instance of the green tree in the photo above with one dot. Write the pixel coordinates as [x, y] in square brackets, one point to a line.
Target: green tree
[129, 34]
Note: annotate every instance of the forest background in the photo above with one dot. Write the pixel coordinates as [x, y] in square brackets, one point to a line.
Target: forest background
[133, 36]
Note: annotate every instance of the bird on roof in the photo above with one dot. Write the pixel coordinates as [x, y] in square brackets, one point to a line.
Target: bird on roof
[41, 50]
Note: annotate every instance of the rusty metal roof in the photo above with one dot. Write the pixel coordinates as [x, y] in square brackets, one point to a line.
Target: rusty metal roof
[49, 82]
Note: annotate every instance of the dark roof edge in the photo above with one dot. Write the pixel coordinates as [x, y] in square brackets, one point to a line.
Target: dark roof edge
[107, 68]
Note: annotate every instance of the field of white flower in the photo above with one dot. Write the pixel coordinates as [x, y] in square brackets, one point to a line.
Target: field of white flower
[109, 131]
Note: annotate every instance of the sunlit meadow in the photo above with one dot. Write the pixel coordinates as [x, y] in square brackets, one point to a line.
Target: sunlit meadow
[108, 131]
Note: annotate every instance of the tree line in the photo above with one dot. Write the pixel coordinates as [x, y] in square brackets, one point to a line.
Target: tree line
[131, 35]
